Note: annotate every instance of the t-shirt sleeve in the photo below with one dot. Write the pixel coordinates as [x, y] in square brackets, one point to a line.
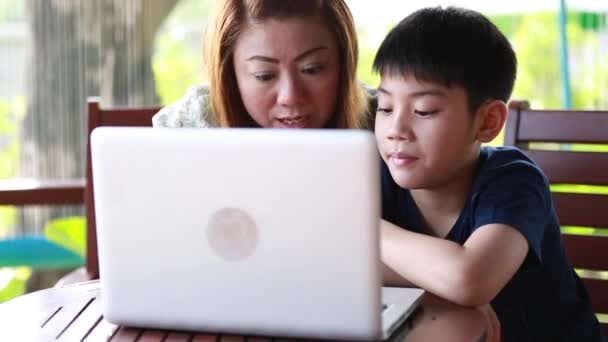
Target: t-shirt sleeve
[516, 194]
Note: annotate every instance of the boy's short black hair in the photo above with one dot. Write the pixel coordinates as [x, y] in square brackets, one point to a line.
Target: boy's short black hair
[451, 46]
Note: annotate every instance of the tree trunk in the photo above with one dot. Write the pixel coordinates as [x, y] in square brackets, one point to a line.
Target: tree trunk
[80, 49]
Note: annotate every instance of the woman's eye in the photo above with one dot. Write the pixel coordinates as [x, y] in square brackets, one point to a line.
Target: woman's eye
[314, 69]
[425, 113]
[263, 77]
[384, 111]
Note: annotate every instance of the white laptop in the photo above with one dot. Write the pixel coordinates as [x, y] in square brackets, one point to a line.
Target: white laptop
[251, 231]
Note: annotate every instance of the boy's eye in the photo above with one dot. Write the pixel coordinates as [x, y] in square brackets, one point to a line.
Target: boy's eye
[384, 111]
[425, 113]
[313, 69]
[263, 77]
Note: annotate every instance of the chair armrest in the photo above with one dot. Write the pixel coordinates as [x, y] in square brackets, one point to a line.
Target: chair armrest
[21, 192]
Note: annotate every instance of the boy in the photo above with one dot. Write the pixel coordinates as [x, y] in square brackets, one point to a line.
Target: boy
[469, 224]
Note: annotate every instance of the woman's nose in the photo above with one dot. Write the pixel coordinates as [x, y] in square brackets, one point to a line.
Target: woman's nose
[291, 91]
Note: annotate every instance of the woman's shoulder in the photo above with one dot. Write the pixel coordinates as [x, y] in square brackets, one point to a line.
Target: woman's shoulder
[192, 110]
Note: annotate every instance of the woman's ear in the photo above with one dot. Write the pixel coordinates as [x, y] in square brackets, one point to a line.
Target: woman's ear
[491, 118]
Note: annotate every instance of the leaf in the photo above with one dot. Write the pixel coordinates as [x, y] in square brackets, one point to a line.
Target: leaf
[13, 282]
[69, 233]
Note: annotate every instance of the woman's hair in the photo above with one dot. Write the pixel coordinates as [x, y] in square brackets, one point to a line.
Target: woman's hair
[232, 16]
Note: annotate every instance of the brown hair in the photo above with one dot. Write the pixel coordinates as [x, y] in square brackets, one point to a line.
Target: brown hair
[231, 16]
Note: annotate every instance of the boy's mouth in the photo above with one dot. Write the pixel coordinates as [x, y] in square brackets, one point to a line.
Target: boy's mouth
[401, 159]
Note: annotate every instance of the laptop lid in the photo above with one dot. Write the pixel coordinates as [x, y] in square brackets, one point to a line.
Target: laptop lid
[254, 231]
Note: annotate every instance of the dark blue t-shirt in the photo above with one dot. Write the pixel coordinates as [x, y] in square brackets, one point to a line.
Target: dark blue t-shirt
[545, 300]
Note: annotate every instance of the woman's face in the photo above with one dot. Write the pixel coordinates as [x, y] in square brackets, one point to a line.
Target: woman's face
[288, 72]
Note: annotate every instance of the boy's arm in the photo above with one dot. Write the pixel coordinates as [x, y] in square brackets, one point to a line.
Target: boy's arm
[470, 275]
[392, 278]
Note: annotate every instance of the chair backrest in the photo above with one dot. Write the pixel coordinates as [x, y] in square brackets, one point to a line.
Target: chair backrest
[105, 117]
[572, 164]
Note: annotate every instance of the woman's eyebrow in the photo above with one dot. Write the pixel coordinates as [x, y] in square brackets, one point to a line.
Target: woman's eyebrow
[276, 61]
[310, 52]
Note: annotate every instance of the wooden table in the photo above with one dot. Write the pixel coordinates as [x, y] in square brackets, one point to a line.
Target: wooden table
[73, 313]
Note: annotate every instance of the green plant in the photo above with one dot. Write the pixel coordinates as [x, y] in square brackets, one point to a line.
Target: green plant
[538, 79]
[178, 61]
[13, 282]
[176, 68]
[69, 233]
[12, 112]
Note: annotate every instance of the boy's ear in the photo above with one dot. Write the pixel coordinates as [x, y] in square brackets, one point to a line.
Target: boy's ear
[491, 118]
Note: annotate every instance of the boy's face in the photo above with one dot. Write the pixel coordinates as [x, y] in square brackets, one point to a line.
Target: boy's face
[425, 132]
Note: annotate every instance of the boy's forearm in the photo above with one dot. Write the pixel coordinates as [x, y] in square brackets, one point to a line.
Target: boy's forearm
[392, 278]
[434, 264]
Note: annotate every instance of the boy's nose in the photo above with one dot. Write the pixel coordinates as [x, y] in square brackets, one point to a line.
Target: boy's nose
[291, 92]
[399, 128]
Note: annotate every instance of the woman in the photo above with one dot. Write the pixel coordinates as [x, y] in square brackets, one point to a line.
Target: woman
[276, 63]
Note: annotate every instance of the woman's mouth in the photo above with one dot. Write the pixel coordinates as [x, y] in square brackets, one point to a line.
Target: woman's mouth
[292, 122]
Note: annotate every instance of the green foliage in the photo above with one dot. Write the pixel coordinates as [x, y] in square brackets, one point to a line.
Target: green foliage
[177, 62]
[190, 11]
[584, 231]
[538, 79]
[580, 188]
[507, 24]
[366, 60]
[8, 220]
[11, 114]
[69, 233]
[592, 21]
[176, 68]
[13, 282]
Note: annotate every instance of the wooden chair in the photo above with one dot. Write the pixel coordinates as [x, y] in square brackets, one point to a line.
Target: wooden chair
[79, 191]
[34, 250]
[587, 252]
[105, 117]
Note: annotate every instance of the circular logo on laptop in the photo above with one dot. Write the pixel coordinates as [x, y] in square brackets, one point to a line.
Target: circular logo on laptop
[232, 234]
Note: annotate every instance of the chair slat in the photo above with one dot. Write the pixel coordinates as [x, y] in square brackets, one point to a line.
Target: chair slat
[598, 290]
[572, 167]
[586, 251]
[128, 117]
[106, 117]
[586, 210]
[33, 192]
[563, 126]
[525, 125]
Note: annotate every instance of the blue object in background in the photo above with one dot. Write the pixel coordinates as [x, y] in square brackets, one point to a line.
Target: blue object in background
[564, 60]
[37, 252]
